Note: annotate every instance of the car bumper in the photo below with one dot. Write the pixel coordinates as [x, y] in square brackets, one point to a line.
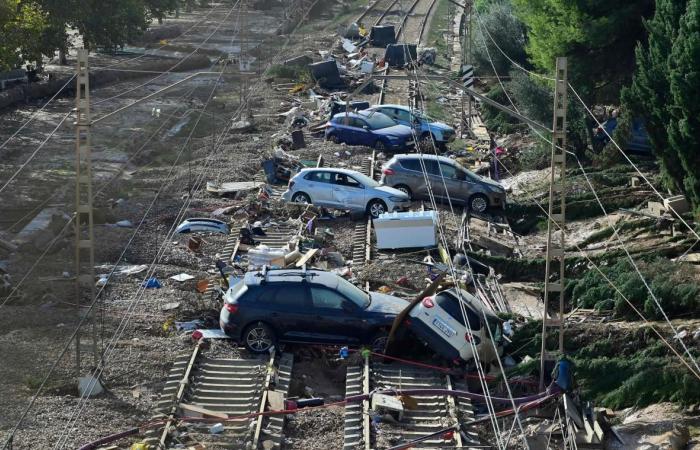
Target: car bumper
[398, 206]
[287, 196]
[433, 339]
[227, 327]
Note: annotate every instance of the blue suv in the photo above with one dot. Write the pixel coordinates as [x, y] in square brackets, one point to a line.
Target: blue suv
[369, 128]
[423, 125]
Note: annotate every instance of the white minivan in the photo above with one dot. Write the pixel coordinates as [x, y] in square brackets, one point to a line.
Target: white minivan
[438, 321]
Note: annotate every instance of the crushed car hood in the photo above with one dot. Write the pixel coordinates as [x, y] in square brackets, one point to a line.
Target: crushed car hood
[386, 304]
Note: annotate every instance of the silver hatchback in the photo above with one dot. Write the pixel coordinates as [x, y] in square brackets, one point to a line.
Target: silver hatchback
[344, 189]
[446, 178]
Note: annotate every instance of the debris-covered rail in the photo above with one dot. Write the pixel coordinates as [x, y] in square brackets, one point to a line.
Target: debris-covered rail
[230, 392]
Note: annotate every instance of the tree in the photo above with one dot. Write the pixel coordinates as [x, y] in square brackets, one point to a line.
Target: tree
[684, 112]
[598, 36]
[506, 29]
[649, 96]
[21, 26]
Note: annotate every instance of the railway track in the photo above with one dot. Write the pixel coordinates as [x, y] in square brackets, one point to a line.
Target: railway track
[225, 388]
[432, 413]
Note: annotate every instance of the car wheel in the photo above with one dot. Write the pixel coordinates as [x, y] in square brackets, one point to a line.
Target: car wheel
[259, 338]
[405, 189]
[375, 208]
[301, 197]
[334, 139]
[478, 203]
[379, 146]
[378, 342]
[426, 141]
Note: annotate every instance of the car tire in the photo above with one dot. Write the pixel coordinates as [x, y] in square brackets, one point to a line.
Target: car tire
[378, 342]
[301, 197]
[334, 139]
[259, 338]
[379, 146]
[426, 141]
[375, 208]
[405, 189]
[478, 203]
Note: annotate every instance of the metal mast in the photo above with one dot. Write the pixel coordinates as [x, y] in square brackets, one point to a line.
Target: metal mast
[553, 316]
[84, 242]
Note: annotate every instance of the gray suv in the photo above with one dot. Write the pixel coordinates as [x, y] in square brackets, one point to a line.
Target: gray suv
[405, 173]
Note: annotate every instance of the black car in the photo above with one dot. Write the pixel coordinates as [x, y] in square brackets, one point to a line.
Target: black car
[305, 306]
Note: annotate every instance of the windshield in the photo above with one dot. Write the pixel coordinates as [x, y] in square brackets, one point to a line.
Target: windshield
[377, 121]
[422, 116]
[365, 180]
[357, 295]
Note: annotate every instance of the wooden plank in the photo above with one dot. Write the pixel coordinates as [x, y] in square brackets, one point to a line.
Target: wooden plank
[307, 256]
[198, 411]
[263, 401]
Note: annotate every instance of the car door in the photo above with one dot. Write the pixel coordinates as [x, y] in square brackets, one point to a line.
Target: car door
[363, 133]
[337, 318]
[411, 174]
[286, 307]
[404, 118]
[319, 187]
[453, 183]
[347, 192]
[435, 178]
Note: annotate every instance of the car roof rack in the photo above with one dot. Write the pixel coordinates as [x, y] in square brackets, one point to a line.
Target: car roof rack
[266, 271]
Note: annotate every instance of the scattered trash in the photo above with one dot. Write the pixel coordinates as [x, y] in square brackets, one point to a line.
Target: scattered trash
[102, 281]
[124, 224]
[681, 335]
[89, 386]
[388, 404]
[194, 243]
[427, 56]
[170, 306]
[202, 286]
[182, 277]
[344, 353]
[232, 189]
[188, 326]
[202, 225]
[382, 35]
[151, 283]
[215, 333]
[217, 428]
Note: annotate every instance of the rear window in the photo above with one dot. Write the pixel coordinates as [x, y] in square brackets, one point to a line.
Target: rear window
[282, 294]
[410, 164]
[451, 305]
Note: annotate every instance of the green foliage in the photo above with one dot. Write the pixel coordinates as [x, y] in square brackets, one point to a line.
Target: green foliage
[497, 120]
[617, 370]
[649, 95]
[21, 25]
[673, 284]
[684, 124]
[506, 29]
[598, 37]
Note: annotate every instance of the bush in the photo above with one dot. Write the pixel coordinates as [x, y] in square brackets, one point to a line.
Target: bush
[673, 284]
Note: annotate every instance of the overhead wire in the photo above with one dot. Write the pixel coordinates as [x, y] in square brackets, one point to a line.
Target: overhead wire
[188, 200]
[73, 335]
[443, 239]
[58, 92]
[67, 115]
[150, 272]
[595, 193]
[462, 307]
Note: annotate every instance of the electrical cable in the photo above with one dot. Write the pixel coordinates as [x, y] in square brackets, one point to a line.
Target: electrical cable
[594, 192]
[202, 172]
[35, 113]
[465, 318]
[65, 117]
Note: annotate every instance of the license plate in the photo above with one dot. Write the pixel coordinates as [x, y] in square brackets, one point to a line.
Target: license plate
[442, 326]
